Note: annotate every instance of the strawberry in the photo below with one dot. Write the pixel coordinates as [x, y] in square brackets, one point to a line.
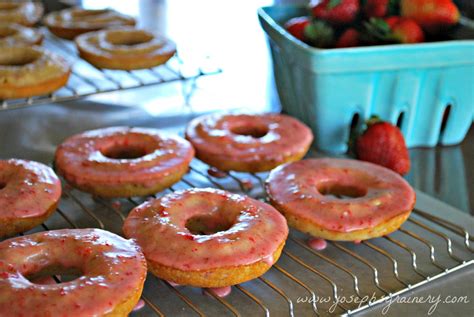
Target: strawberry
[376, 8]
[336, 11]
[296, 26]
[319, 34]
[383, 144]
[392, 30]
[432, 15]
[405, 30]
[349, 38]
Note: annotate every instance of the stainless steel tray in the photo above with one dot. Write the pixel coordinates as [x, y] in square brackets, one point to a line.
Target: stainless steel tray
[304, 282]
[86, 79]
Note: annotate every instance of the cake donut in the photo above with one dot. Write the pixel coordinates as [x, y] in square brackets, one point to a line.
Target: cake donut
[340, 199]
[22, 12]
[16, 34]
[112, 273]
[125, 48]
[123, 161]
[69, 23]
[27, 71]
[29, 193]
[248, 143]
[207, 237]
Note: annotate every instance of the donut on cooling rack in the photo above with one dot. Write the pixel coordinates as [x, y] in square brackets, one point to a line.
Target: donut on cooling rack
[248, 143]
[27, 71]
[340, 199]
[16, 34]
[207, 237]
[69, 23]
[112, 273]
[125, 48]
[29, 193]
[22, 12]
[123, 161]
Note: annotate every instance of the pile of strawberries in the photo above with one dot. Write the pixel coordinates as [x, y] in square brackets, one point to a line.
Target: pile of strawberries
[349, 23]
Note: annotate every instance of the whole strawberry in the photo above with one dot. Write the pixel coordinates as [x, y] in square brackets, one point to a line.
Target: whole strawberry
[406, 30]
[348, 38]
[319, 34]
[336, 12]
[376, 8]
[383, 144]
[296, 26]
[432, 15]
[392, 30]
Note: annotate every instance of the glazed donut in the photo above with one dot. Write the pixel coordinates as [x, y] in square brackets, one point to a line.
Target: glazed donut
[125, 48]
[16, 34]
[69, 23]
[112, 270]
[248, 143]
[29, 194]
[30, 71]
[123, 161]
[340, 199]
[22, 12]
[207, 237]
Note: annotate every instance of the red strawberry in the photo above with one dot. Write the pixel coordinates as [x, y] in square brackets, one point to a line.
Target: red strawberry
[296, 27]
[376, 8]
[406, 30]
[319, 34]
[336, 11]
[349, 38]
[392, 30]
[431, 14]
[383, 144]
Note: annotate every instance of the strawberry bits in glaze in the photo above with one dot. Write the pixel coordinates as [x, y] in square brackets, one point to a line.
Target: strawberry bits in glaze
[112, 273]
[340, 199]
[207, 237]
[123, 161]
[29, 193]
[248, 143]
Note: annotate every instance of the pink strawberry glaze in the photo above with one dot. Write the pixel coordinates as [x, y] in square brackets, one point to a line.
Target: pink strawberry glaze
[214, 172]
[113, 269]
[173, 284]
[317, 244]
[295, 186]
[139, 305]
[217, 135]
[27, 189]
[220, 291]
[81, 160]
[159, 227]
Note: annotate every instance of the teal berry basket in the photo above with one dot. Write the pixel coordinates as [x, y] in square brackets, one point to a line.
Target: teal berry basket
[332, 90]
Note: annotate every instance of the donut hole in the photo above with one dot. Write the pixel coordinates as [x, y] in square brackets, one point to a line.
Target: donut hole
[208, 224]
[2, 185]
[6, 32]
[124, 152]
[19, 57]
[55, 274]
[342, 191]
[87, 13]
[129, 38]
[9, 6]
[252, 131]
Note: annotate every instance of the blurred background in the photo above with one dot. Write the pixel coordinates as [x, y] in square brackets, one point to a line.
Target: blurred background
[226, 34]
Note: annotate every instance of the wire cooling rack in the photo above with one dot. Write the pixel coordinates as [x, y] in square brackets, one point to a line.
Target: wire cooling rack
[86, 79]
[304, 282]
